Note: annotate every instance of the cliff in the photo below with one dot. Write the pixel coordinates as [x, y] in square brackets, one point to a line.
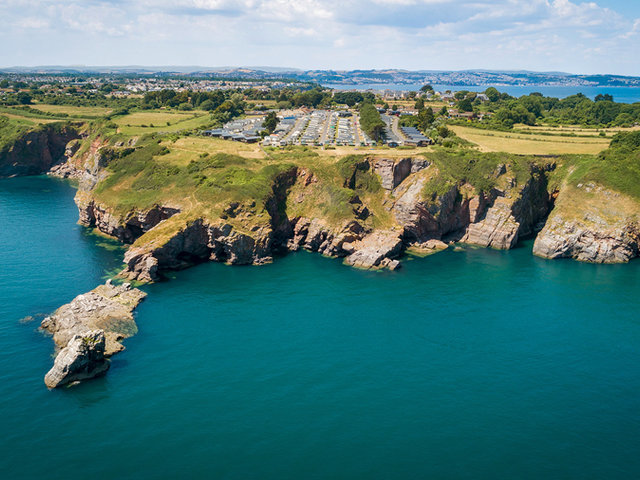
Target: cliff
[36, 151]
[495, 217]
[365, 210]
[176, 207]
[591, 223]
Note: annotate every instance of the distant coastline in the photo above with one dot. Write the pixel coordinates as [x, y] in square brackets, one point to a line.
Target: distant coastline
[620, 94]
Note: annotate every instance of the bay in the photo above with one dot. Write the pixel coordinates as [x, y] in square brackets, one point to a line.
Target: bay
[468, 364]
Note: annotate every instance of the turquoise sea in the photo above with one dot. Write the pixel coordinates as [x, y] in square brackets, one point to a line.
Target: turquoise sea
[472, 364]
[620, 94]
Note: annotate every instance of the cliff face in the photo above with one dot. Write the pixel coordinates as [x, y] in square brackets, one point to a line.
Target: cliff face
[493, 219]
[165, 238]
[125, 228]
[35, 152]
[592, 224]
[237, 239]
[170, 236]
[514, 213]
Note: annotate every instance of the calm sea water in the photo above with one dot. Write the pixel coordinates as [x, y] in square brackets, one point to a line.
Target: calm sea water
[475, 364]
[620, 94]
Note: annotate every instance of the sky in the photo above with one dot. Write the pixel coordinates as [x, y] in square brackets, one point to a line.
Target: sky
[602, 36]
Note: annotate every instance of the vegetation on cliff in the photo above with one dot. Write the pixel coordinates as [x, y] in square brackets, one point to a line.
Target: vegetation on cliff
[481, 171]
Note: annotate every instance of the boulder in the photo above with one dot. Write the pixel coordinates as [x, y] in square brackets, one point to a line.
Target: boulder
[376, 250]
[81, 359]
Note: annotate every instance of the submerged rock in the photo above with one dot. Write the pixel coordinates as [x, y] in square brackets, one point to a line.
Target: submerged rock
[82, 358]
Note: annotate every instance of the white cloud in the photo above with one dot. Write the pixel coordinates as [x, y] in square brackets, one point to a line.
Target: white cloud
[565, 35]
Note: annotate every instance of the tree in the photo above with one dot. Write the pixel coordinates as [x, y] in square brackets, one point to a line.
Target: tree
[425, 118]
[419, 104]
[426, 88]
[493, 94]
[24, 98]
[604, 98]
[208, 105]
[532, 103]
[465, 105]
[270, 122]
[461, 95]
[371, 122]
[443, 131]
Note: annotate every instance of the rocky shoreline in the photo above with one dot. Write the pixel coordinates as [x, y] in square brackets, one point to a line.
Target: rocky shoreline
[495, 219]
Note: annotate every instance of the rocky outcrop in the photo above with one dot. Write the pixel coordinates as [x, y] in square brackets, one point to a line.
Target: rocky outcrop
[81, 359]
[35, 152]
[89, 330]
[126, 228]
[108, 308]
[67, 169]
[498, 229]
[591, 224]
[496, 219]
[446, 215]
[198, 241]
[574, 239]
[194, 242]
[393, 172]
[316, 236]
[379, 249]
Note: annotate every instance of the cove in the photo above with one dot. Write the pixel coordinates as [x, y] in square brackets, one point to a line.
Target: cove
[466, 364]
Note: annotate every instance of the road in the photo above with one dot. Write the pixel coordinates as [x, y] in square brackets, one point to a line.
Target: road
[395, 128]
[325, 128]
[297, 126]
[356, 130]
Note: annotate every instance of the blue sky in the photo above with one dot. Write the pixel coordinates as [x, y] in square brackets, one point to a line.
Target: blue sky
[602, 36]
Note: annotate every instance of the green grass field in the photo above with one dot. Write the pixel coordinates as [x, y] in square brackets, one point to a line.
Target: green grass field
[27, 117]
[139, 123]
[72, 110]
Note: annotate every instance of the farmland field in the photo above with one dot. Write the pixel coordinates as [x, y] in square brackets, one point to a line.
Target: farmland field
[186, 149]
[25, 120]
[528, 144]
[87, 112]
[572, 130]
[139, 123]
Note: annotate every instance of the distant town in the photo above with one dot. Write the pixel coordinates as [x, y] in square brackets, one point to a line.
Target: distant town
[350, 77]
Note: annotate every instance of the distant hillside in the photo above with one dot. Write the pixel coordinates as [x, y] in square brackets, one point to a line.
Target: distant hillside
[358, 77]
